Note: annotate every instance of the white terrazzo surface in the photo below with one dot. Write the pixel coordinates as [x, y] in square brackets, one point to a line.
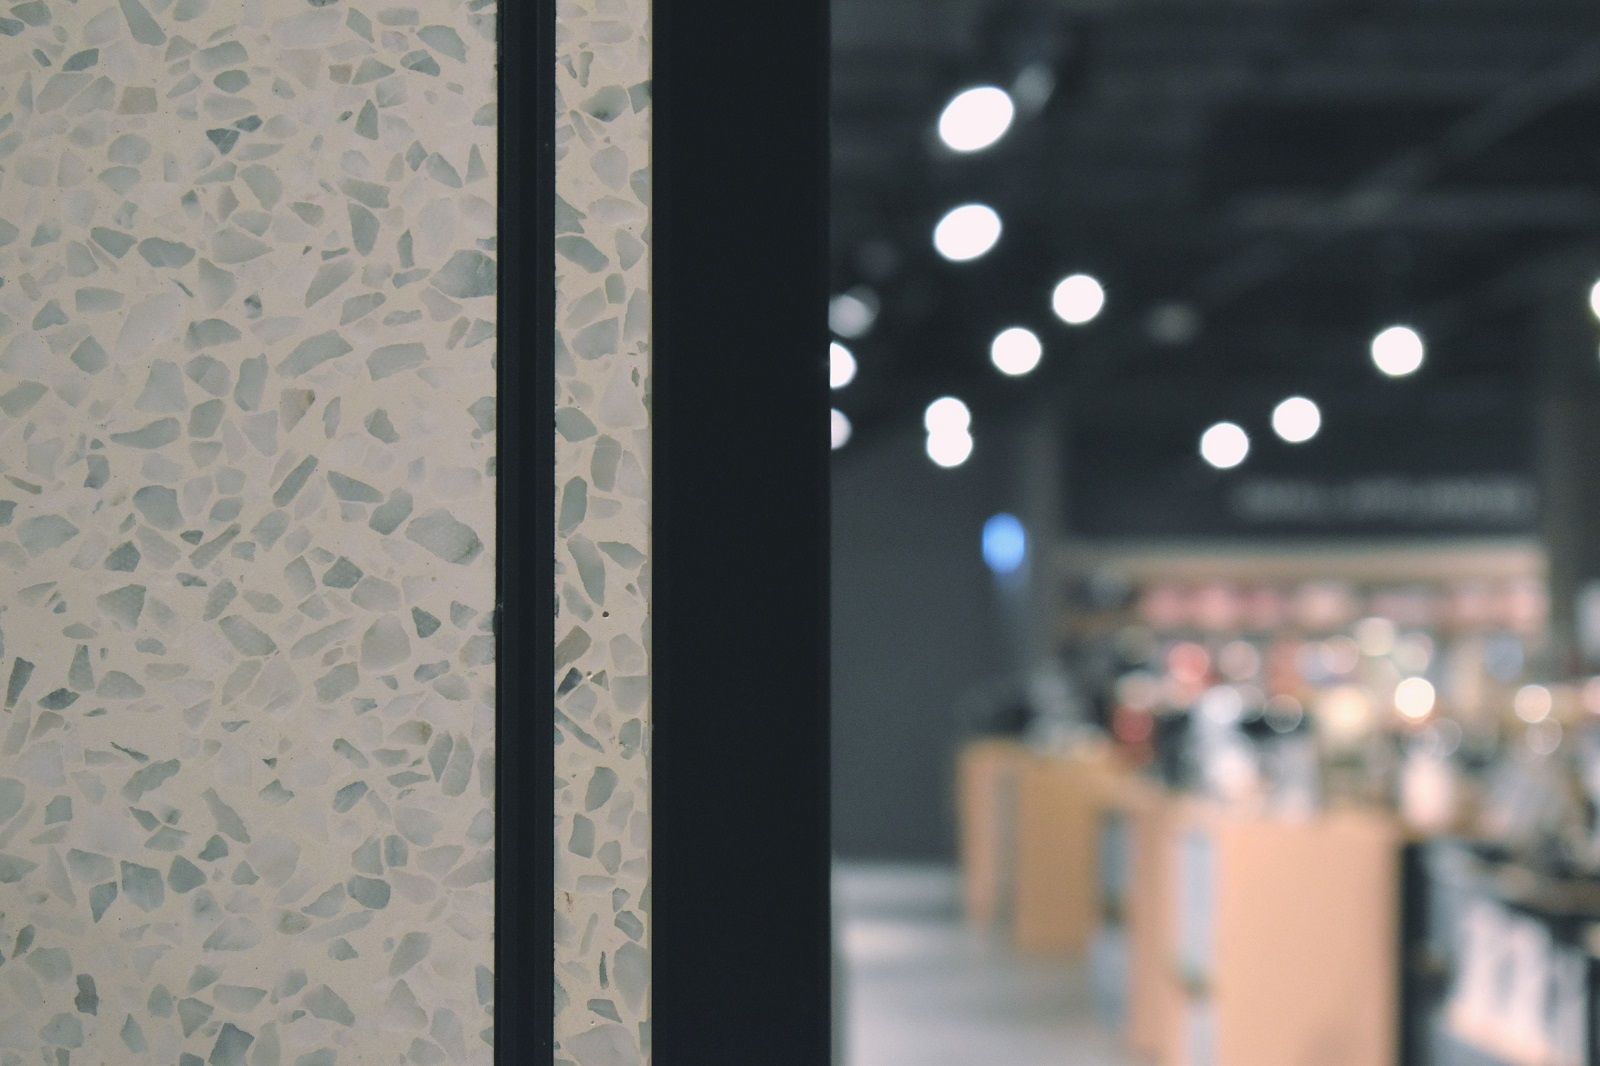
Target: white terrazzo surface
[247, 412]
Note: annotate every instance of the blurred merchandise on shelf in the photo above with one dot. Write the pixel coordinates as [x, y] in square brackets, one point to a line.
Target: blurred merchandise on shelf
[1433, 698]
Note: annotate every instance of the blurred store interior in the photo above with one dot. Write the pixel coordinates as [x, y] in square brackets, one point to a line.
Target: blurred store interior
[1216, 531]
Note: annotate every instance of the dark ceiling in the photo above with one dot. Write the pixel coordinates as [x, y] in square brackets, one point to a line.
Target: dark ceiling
[1298, 174]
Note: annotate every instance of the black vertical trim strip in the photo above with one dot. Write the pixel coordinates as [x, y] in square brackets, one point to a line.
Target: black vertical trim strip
[740, 915]
[524, 947]
[1416, 1000]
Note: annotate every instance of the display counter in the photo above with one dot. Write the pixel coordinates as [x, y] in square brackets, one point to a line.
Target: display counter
[1239, 940]
[1129, 955]
[1248, 940]
[1029, 823]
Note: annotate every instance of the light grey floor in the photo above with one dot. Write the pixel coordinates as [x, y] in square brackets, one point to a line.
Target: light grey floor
[923, 990]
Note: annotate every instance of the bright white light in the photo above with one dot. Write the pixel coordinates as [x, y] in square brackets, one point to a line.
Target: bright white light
[966, 232]
[1594, 299]
[1398, 351]
[1078, 299]
[1345, 713]
[1296, 420]
[840, 427]
[841, 365]
[1224, 445]
[946, 415]
[1222, 704]
[950, 447]
[1532, 703]
[1016, 351]
[1414, 698]
[976, 118]
[851, 314]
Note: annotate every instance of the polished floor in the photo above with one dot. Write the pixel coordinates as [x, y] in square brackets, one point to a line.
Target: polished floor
[923, 990]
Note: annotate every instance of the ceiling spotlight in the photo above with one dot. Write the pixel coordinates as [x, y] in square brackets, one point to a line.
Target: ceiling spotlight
[851, 314]
[946, 415]
[1296, 420]
[975, 119]
[1397, 351]
[1224, 445]
[840, 426]
[967, 232]
[1078, 299]
[841, 365]
[949, 449]
[1016, 351]
[1594, 299]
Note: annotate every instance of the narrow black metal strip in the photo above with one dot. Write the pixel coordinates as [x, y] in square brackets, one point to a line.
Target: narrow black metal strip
[524, 946]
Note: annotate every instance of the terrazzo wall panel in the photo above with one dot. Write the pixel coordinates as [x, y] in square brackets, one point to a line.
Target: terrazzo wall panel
[602, 898]
[247, 290]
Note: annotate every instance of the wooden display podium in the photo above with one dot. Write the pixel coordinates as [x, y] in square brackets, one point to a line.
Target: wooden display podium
[986, 785]
[1029, 839]
[1281, 940]
[1152, 999]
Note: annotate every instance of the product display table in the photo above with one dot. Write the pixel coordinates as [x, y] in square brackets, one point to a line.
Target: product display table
[1284, 939]
[1129, 956]
[1029, 838]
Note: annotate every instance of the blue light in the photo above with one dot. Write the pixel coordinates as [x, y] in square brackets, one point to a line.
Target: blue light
[1005, 543]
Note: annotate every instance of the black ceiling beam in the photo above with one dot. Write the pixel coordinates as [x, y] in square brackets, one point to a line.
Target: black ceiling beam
[1387, 188]
[1454, 211]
